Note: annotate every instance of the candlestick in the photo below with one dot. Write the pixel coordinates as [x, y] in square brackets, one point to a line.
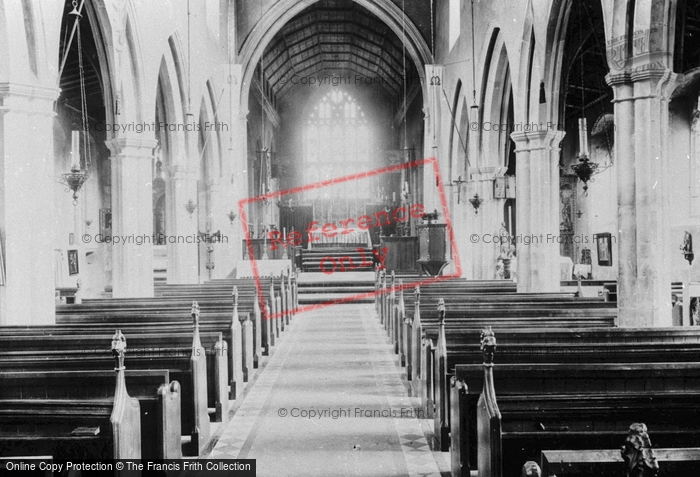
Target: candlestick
[583, 136]
[75, 151]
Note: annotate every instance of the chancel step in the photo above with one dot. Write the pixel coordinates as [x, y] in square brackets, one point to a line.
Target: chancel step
[316, 287]
[334, 260]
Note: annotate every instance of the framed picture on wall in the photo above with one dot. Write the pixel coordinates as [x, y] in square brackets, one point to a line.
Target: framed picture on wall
[499, 188]
[105, 223]
[604, 245]
[73, 262]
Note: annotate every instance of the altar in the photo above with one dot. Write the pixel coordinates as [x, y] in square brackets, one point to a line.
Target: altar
[338, 239]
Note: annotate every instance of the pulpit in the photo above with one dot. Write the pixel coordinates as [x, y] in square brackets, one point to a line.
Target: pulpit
[432, 246]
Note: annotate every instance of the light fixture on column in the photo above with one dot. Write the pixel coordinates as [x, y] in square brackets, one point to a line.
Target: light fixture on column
[579, 214]
[231, 216]
[78, 174]
[75, 180]
[88, 222]
[476, 202]
[459, 183]
[687, 248]
[190, 206]
[584, 170]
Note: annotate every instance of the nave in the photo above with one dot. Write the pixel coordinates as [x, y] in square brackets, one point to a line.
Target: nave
[335, 361]
[459, 377]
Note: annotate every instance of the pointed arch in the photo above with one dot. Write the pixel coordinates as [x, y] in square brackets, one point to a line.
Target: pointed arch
[29, 22]
[657, 19]
[208, 165]
[453, 125]
[465, 138]
[170, 112]
[529, 88]
[131, 76]
[554, 55]
[4, 46]
[180, 68]
[284, 10]
[216, 136]
[497, 99]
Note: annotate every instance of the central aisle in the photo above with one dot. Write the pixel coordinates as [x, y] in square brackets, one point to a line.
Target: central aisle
[333, 361]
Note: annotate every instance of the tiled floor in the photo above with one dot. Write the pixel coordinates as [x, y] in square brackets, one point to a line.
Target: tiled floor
[330, 402]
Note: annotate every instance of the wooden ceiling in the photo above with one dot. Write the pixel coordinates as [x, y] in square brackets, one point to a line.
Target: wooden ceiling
[336, 38]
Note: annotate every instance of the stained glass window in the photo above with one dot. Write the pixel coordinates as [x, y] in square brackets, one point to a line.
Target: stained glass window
[337, 143]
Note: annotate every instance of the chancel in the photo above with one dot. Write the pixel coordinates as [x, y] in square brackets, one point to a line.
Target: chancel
[351, 237]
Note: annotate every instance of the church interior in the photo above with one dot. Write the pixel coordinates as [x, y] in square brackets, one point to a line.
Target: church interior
[351, 237]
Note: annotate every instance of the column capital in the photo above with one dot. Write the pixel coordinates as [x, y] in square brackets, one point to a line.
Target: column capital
[27, 98]
[536, 140]
[617, 79]
[30, 91]
[660, 83]
[179, 172]
[129, 146]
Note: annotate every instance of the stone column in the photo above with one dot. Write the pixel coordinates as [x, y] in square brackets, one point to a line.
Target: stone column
[235, 170]
[434, 79]
[537, 210]
[26, 204]
[641, 120]
[132, 216]
[183, 262]
[238, 157]
[221, 205]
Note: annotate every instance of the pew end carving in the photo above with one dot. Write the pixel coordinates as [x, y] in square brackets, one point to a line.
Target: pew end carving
[126, 412]
[489, 455]
[638, 454]
[198, 364]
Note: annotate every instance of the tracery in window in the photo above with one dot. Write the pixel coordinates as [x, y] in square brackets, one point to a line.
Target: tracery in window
[337, 143]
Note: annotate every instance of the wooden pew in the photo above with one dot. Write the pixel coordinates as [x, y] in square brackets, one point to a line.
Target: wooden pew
[435, 359]
[161, 327]
[186, 363]
[68, 428]
[123, 312]
[483, 301]
[230, 322]
[613, 345]
[564, 406]
[172, 352]
[159, 400]
[684, 461]
[214, 299]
